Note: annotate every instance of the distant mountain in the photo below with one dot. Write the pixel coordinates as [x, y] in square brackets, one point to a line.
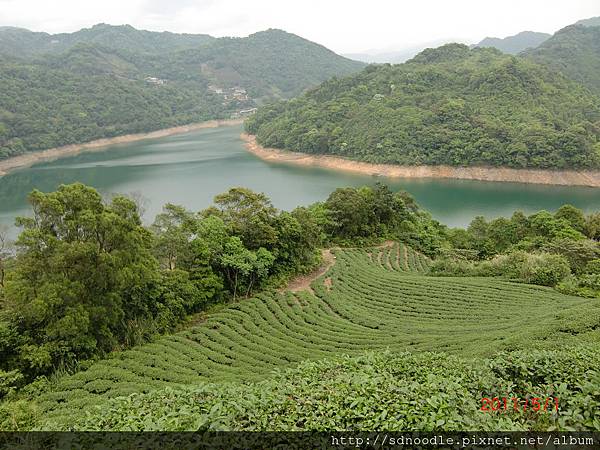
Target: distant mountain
[515, 44]
[110, 80]
[451, 105]
[269, 64]
[575, 52]
[592, 22]
[24, 43]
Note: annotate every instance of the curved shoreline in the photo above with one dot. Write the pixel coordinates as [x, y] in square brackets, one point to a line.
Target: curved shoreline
[31, 158]
[588, 178]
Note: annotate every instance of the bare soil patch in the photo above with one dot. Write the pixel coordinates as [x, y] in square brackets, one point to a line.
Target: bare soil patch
[303, 282]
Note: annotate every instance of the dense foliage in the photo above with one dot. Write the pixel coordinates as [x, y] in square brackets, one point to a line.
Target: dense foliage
[351, 216]
[560, 249]
[88, 278]
[270, 64]
[376, 391]
[92, 84]
[591, 22]
[575, 52]
[449, 105]
[85, 282]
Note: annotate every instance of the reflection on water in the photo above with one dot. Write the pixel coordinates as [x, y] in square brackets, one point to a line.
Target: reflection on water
[190, 169]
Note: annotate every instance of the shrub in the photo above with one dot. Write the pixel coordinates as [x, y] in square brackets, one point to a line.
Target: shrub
[593, 267]
[373, 391]
[545, 269]
[18, 415]
[586, 285]
[451, 267]
[577, 252]
[9, 381]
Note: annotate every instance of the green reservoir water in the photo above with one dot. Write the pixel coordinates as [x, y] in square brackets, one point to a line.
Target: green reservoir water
[190, 169]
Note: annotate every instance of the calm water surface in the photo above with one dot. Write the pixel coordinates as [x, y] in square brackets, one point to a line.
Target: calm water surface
[190, 169]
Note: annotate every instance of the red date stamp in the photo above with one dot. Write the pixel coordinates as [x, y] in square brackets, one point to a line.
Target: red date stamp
[505, 404]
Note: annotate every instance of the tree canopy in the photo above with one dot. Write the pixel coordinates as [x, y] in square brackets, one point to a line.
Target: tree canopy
[449, 105]
[573, 51]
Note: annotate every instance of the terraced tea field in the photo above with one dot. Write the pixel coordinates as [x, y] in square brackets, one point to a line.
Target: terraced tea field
[374, 298]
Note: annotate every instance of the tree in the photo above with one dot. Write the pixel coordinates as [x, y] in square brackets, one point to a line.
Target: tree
[592, 226]
[479, 231]
[349, 213]
[548, 226]
[244, 268]
[177, 296]
[578, 252]
[261, 265]
[250, 216]
[215, 234]
[84, 270]
[174, 231]
[300, 235]
[390, 209]
[502, 233]
[5, 252]
[574, 216]
[198, 265]
[447, 106]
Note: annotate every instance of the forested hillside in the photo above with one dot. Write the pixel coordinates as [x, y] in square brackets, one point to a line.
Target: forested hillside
[106, 81]
[44, 107]
[449, 105]
[573, 51]
[515, 44]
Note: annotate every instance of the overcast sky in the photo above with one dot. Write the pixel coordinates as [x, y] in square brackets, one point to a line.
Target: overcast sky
[344, 26]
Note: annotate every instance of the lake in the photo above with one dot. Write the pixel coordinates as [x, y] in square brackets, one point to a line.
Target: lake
[190, 169]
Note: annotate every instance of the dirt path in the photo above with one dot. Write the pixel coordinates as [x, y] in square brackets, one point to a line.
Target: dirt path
[31, 158]
[536, 176]
[302, 282]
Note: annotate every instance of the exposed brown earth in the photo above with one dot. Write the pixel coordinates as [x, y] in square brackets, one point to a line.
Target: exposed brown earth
[303, 282]
[28, 159]
[589, 178]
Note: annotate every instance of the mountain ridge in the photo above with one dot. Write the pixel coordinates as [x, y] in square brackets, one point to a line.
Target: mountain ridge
[515, 44]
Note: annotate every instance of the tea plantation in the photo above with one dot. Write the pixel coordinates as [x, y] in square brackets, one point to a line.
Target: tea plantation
[373, 299]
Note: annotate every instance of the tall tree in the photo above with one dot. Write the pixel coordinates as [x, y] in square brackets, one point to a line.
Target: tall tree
[84, 270]
[174, 232]
[250, 216]
[4, 252]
